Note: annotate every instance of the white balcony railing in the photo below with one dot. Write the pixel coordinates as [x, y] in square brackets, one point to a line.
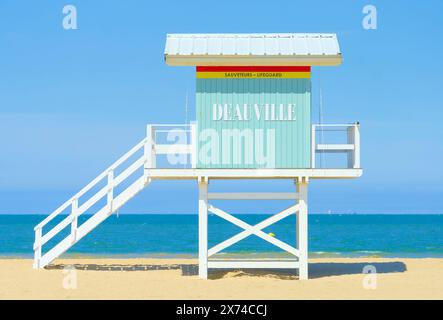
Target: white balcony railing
[172, 141]
[351, 147]
[180, 140]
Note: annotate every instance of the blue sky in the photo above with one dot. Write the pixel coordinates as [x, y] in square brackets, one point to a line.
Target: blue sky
[72, 102]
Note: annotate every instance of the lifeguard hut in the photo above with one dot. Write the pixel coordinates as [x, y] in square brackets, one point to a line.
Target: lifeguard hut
[253, 121]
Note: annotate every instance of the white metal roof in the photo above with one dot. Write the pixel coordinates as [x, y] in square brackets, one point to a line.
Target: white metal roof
[252, 49]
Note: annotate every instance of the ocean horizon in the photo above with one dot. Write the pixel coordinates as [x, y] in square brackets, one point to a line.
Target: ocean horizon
[176, 235]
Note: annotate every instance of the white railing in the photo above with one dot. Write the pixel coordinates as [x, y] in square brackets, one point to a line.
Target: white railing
[113, 202]
[182, 140]
[351, 147]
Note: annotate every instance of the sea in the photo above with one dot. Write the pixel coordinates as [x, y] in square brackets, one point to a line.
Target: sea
[176, 235]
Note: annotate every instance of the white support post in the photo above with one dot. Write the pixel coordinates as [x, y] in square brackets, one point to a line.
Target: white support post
[302, 228]
[354, 139]
[203, 228]
[351, 140]
[313, 146]
[74, 223]
[357, 146]
[110, 195]
[151, 163]
[37, 248]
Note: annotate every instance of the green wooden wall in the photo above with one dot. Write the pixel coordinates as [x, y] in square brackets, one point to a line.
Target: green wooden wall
[292, 137]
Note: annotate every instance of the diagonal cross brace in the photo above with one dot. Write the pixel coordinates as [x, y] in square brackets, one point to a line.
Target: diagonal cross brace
[256, 230]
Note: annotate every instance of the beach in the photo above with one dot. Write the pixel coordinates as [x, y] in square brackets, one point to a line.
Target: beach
[145, 278]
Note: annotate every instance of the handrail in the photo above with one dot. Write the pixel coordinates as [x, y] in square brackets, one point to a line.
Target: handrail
[334, 125]
[76, 211]
[147, 161]
[105, 173]
[60, 209]
[189, 148]
[89, 203]
[171, 125]
[352, 147]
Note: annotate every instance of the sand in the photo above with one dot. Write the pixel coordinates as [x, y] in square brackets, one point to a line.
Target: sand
[164, 279]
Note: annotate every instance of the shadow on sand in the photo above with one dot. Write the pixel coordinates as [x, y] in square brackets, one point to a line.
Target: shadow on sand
[327, 269]
[316, 269]
[187, 269]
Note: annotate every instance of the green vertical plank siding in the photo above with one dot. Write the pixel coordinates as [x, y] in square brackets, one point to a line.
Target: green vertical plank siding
[292, 138]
